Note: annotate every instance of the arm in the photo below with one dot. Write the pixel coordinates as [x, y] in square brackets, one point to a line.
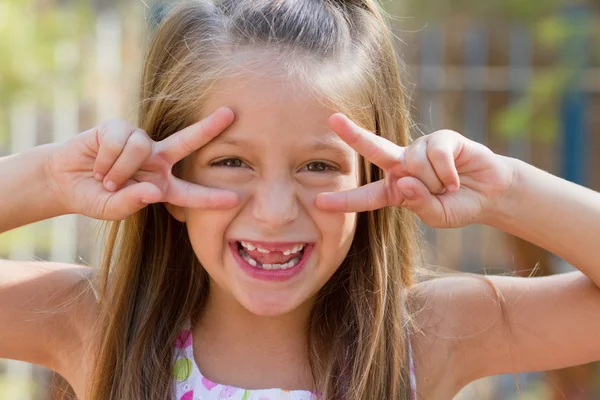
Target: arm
[537, 324]
[476, 326]
[44, 308]
[47, 309]
[38, 301]
[509, 324]
[555, 214]
[25, 194]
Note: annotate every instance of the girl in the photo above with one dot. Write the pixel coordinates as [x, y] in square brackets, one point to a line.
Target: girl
[268, 251]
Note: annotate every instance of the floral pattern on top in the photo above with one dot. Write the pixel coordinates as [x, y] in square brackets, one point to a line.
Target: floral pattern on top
[190, 384]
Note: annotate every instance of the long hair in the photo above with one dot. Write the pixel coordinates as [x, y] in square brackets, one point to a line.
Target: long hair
[151, 281]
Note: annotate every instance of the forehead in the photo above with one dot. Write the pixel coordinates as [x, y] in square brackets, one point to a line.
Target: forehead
[255, 99]
[277, 108]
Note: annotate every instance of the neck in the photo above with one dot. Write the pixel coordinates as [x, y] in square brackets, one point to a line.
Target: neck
[273, 348]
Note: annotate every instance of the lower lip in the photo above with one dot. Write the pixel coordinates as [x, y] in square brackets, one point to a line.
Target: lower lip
[271, 274]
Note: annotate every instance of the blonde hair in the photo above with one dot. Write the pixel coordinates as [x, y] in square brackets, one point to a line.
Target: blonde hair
[151, 281]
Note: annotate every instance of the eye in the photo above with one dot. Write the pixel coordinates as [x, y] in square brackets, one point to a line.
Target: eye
[229, 162]
[319, 166]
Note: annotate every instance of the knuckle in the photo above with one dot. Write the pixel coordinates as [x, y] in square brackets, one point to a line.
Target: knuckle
[415, 164]
[437, 152]
[111, 146]
[374, 152]
[446, 133]
[369, 200]
[140, 143]
[111, 125]
[184, 143]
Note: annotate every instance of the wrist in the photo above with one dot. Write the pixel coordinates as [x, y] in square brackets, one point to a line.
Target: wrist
[52, 193]
[505, 208]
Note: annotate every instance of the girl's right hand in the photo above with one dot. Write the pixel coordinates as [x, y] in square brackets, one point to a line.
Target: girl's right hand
[113, 170]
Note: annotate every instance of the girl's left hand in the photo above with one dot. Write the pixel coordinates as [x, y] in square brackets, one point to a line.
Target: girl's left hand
[446, 179]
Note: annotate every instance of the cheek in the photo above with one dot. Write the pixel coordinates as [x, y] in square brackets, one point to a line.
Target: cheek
[207, 242]
[337, 233]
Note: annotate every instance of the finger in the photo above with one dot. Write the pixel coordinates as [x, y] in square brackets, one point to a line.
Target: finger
[190, 195]
[442, 152]
[183, 143]
[419, 200]
[130, 199]
[365, 198]
[137, 149]
[374, 148]
[111, 137]
[418, 166]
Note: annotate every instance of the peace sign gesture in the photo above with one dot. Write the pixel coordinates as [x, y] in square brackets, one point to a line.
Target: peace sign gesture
[113, 170]
[446, 179]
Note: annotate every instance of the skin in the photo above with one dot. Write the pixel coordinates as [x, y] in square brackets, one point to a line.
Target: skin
[267, 158]
[446, 179]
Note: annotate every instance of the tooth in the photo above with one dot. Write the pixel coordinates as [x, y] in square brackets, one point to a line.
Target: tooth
[262, 250]
[287, 252]
[252, 262]
[249, 246]
[267, 266]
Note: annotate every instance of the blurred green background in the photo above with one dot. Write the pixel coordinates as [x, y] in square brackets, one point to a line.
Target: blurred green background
[521, 76]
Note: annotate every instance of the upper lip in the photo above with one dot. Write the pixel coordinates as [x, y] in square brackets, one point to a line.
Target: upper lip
[273, 245]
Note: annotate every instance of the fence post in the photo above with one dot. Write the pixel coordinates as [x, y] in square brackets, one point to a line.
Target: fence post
[519, 75]
[574, 104]
[430, 107]
[23, 129]
[65, 126]
[475, 125]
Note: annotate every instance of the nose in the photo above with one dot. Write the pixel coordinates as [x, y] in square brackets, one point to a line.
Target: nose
[275, 203]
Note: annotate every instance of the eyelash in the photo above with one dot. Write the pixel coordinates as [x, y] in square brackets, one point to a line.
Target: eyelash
[221, 163]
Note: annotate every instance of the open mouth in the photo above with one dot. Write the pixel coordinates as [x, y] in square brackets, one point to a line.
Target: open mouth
[270, 259]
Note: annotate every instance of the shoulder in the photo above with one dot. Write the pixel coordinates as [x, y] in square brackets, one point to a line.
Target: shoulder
[433, 330]
[68, 312]
[46, 313]
[79, 358]
[449, 313]
[471, 326]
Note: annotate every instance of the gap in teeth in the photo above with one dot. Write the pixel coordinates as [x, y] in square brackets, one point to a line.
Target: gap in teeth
[297, 248]
[246, 257]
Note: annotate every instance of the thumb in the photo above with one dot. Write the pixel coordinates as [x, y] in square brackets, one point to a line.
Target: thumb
[130, 199]
[419, 200]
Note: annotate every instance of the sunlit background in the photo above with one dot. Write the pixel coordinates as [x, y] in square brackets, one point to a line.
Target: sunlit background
[521, 76]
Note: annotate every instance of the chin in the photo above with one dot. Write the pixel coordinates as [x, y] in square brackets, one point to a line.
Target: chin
[263, 305]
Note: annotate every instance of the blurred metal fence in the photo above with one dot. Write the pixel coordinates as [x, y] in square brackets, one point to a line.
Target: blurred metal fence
[465, 72]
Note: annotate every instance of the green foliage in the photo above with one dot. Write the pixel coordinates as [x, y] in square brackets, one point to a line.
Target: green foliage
[29, 35]
[535, 113]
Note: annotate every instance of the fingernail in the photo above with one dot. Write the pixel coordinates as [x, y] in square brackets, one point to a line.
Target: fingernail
[451, 188]
[99, 176]
[110, 186]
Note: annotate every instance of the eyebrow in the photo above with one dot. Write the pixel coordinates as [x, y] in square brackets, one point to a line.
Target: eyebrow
[316, 145]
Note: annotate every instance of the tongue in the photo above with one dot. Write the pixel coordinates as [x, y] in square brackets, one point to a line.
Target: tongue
[274, 257]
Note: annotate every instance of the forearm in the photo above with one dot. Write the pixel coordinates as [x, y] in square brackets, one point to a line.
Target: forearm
[555, 214]
[25, 195]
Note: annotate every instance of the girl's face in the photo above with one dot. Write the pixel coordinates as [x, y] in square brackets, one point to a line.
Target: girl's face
[278, 154]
